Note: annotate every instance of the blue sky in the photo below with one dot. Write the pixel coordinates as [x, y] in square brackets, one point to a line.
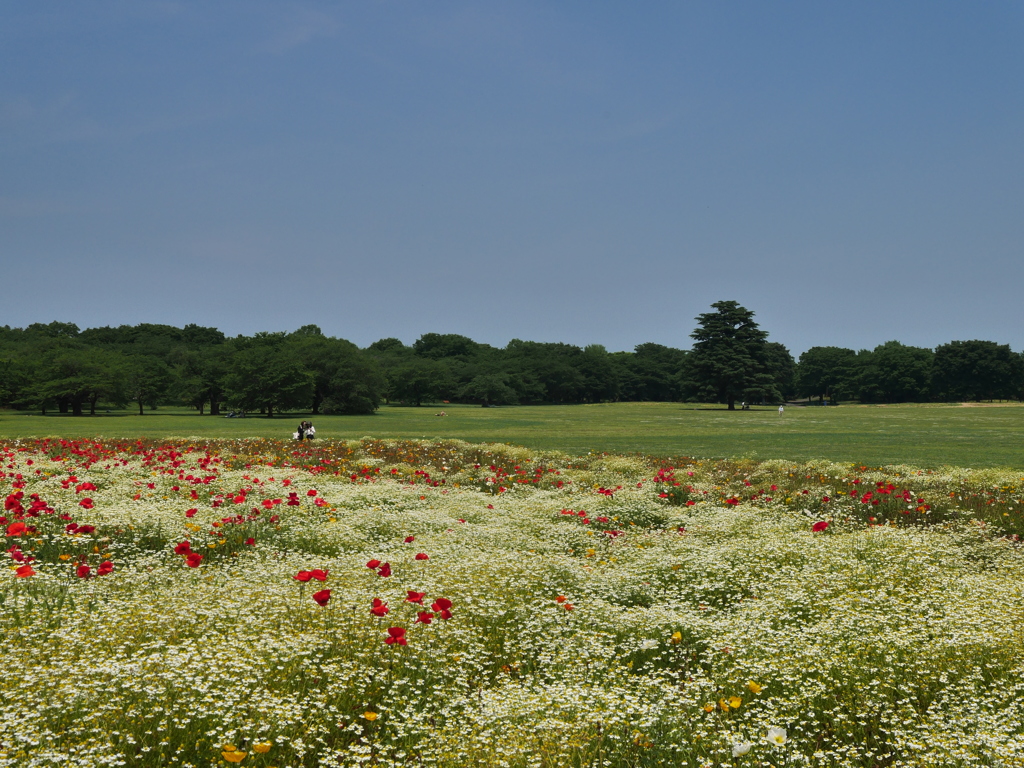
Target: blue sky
[586, 172]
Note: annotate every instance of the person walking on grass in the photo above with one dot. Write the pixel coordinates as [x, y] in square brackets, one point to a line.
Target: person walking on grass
[781, 410]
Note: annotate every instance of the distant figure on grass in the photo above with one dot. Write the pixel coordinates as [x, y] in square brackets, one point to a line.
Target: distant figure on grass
[781, 410]
[310, 430]
[300, 433]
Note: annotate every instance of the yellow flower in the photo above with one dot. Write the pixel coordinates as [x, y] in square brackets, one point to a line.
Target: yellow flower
[735, 701]
[723, 704]
[591, 552]
[677, 638]
[261, 747]
[371, 716]
[753, 687]
[709, 707]
[234, 757]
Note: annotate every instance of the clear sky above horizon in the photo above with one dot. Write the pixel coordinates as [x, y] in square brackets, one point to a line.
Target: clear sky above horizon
[586, 172]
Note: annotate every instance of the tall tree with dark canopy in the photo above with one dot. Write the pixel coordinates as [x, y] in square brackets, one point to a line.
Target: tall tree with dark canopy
[730, 360]
[827, 372]
[267, 374]
[975, 370]
[895, 373]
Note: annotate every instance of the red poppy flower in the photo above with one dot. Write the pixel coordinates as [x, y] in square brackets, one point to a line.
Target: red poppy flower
[185, 548]
[569, 607]
[16, 529]
[424, 617]
[410, 539]
[322, 597]
[105, 567]
[415, 597]
[191, 513]
[318, 574]
[303, 576]
[384, 570]
[821, 525]
[560, 599]
[422, 556]
[442, 607]
[250, 542]
[311, 492]
[86, 528]
[83, 571]
[86, 503]
[396, 635]
[24, 572]
[380, 608]
[373, 564]
[193, 560]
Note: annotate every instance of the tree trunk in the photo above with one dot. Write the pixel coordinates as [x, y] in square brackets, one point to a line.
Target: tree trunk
[142, 411]
[732, 404]
[214, 407]
[317, 399]
[270, 411]
[62, 405]
[202, 407]
[92, 405]
[76, 407]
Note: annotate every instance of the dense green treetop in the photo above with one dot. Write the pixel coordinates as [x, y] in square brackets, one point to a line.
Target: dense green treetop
[730, 359]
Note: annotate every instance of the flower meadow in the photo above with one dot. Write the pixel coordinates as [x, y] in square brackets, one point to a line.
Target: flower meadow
[438, 603]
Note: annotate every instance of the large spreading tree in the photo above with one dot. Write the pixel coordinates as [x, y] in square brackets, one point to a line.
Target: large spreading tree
[731, 359]
[975, 370]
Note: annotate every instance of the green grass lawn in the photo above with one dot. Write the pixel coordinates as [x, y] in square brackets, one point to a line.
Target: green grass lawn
[925, 435]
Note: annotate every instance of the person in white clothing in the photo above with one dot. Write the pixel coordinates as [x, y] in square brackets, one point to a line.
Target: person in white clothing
[781, 409]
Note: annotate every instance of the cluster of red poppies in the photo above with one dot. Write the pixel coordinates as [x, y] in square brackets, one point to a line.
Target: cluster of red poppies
[14, 506]
[192, 559]
[441, 608]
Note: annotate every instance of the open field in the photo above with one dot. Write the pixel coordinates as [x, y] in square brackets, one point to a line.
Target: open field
[925, 435]
[399, 604]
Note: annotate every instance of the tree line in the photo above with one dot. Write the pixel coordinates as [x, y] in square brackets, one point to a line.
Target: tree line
[58, 367]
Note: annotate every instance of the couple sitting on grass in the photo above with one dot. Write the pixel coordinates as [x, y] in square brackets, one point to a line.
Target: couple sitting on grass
[306, 431]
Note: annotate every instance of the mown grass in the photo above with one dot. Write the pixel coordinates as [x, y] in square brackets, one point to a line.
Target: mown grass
[924, 435]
